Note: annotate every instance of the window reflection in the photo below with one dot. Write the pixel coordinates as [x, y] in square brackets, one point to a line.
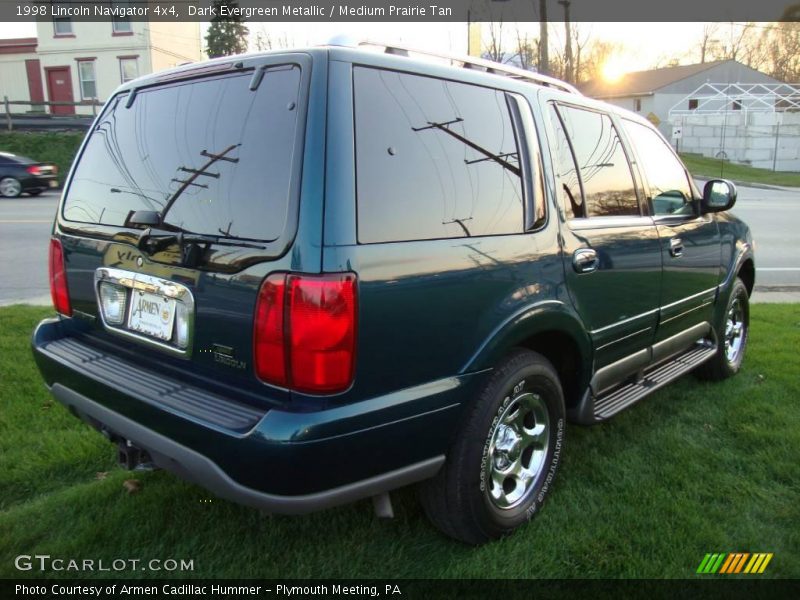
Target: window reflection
[666, 177]
[608, 186]
[434, 159]
[213, 152]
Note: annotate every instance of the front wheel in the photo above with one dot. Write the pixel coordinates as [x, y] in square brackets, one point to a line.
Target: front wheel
[733, 331]
[502, 464]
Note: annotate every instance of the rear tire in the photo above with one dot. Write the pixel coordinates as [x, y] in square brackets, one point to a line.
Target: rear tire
[501, 466]
[733, 331]
[10, 187]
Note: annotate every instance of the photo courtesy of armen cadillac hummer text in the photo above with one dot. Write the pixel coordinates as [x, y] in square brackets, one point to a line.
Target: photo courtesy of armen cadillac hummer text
[303, 278]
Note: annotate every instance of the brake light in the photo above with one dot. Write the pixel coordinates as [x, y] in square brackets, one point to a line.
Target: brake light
[58, 279]
[305, 332]
[34, 170]
[269, 343]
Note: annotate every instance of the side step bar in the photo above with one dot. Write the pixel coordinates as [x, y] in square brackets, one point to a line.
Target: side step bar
[594, 409]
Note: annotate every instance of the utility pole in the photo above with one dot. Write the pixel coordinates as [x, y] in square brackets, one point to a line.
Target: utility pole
[569, 68]
[544, 56]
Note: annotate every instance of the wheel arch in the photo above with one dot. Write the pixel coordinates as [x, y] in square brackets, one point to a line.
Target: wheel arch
[747, 273]
[550, 329]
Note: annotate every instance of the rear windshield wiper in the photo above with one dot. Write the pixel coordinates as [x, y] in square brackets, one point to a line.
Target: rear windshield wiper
[193, 245]
[152, 241]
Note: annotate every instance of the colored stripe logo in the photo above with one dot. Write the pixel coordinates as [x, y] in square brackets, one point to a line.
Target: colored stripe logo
[735, 562]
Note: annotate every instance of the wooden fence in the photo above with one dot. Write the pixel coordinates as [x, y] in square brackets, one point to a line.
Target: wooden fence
[7, 104]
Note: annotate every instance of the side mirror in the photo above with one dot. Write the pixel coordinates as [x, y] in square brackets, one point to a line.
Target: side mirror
[718, 195]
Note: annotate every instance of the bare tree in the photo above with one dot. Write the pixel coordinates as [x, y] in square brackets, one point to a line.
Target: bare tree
[581, 43]
[708, 40]
[265, 41]
[781, 43]
[494, 48]
[526, 50]
[738, 43]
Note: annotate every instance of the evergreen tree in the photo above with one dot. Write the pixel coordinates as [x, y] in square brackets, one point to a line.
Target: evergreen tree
[226, 35]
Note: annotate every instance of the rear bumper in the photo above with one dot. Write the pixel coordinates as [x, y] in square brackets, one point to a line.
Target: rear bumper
[41, 182]
[277, 460]
[194, 466]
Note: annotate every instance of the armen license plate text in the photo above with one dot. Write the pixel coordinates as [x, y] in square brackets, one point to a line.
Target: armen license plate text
[152, 315]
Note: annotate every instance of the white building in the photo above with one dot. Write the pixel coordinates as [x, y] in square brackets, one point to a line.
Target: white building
[20, 77]
[654, 93]
[74, 61]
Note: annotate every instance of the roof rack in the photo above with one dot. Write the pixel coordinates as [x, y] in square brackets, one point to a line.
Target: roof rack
[465, 62]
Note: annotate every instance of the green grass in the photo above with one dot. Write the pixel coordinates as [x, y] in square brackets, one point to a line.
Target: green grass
[695, 468]
[702, 166]
[59, 148]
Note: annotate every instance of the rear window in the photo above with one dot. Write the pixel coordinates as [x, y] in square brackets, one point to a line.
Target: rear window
[218, 153]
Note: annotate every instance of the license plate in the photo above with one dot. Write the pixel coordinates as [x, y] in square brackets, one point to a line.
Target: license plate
[52, 183]
[152, 315]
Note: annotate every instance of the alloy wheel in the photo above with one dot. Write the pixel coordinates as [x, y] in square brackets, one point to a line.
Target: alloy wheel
[734, 331]
[517, 451]
[10, 187]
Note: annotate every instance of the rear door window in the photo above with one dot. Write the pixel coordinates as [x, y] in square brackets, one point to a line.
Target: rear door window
[434, 159]
[605, 174]
[218, 153]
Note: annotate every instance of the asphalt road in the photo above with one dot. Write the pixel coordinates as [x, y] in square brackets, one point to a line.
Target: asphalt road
[774, 219]
[773, 216]
[24, 233]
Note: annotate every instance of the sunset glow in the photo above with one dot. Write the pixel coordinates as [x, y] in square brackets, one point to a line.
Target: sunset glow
[615, 68]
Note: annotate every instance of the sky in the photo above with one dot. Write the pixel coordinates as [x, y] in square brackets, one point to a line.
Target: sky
[644, 43]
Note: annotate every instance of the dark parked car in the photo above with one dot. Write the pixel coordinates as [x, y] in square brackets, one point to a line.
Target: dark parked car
[303, 278]
[20, 174]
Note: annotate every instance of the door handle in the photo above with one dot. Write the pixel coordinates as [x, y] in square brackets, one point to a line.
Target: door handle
[584, 260]
[676, 247]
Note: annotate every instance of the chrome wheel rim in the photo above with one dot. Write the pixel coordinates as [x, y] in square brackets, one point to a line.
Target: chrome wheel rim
[734, 331]
[10, 187]
[517, 451]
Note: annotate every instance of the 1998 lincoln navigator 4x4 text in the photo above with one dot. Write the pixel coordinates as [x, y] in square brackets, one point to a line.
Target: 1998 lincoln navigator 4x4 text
[303, 278]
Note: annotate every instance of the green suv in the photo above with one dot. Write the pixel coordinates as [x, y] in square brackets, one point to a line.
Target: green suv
[303, 278]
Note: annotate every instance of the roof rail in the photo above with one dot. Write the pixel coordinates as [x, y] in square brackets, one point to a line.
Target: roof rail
[466, 62]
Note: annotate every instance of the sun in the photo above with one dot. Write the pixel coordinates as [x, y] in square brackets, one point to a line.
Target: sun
[614, 69]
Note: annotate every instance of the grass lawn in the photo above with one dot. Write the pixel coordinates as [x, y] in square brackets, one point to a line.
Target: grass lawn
[695, 468]
[702, 166]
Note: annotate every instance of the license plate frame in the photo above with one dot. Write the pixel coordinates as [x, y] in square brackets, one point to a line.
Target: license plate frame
[152, 315]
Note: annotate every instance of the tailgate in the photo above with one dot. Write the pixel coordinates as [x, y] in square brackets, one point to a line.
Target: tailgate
[213, 163]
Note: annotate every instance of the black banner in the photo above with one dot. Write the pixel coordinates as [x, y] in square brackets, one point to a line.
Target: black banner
[403, 10]
[529, 589]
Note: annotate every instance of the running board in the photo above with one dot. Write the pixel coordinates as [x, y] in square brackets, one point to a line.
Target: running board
[599, 408]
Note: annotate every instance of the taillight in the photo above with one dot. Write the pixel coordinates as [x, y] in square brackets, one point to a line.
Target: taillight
[269, 343]
[305, 332]
[34, 170]
[58, 279]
